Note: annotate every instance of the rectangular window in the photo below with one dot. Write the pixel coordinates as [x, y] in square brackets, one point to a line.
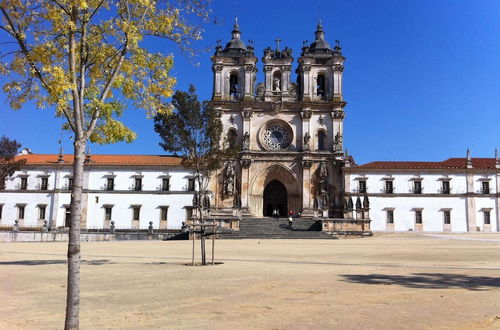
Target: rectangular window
[418, 216]
[107, 212]
[486, 217]
[165, 184]
[485, 187]
[24, 183]
[390, 216]
[190, 184]
[362, 186]
[138, 184]
[389, 189]
[110, 184]
[163, 213]
[44, 185]
[445, 187]
[136, 213]
[70, 183]
[2, 184]
[417, 187]
[447, 217]
[20, 211]
[1, 208]
[41, 211]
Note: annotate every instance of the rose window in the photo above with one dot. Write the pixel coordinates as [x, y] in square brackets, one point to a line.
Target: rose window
[276, 135]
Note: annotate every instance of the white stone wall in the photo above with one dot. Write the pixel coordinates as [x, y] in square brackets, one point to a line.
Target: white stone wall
[404, 214]
[404, 203]
[122, 197]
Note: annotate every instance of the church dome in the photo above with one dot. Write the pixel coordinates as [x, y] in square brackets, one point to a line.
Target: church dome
[320, 44]
[235, 44]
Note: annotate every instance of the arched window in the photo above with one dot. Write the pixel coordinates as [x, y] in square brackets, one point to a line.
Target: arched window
[232, 137]
[277, 82]
[320, 86]
[321, 140]
[233, 85]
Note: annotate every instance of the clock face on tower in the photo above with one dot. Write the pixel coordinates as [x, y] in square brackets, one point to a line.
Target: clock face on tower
[276, 135]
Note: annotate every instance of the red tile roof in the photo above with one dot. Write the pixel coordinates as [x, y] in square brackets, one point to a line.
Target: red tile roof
[460, 163]
[121, 160]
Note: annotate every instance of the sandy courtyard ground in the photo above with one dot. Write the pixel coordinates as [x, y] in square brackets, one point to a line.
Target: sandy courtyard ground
[389, 281]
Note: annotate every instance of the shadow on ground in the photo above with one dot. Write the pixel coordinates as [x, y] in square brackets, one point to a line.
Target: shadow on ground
[52, 262]
[429, 281]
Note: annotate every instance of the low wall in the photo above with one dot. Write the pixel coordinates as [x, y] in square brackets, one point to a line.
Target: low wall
[346, 226]
[39, 236]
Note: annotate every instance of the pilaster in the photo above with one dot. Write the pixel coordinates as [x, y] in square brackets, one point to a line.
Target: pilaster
[471, 203]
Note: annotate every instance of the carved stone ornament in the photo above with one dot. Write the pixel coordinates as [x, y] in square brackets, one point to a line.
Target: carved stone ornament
[246, 141]
[337, 144]
[229, 179]
[306, 114]
[218, 67]
[245, 163]
[307, 138]
[338, 68]
[307, 163]
[247, 114]
[292, 90]
[306, 68]
[287, 68]
[260, 89]
[268, 68]
[249, 68]
[322, 199]
[338, 114]
[277, 106]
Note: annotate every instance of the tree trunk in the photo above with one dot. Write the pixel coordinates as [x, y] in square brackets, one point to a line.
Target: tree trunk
[73, 282]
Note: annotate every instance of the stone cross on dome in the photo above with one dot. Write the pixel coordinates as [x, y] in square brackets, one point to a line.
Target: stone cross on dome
[278, 40]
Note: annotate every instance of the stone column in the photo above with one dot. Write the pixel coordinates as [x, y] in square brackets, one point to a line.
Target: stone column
[268, 78]
[337, 81]
[307, 204]
[249, 74]
[306, 85]
[245, 183]
[218, 78]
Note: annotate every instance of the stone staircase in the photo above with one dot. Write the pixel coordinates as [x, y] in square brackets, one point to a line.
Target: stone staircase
[278, 229]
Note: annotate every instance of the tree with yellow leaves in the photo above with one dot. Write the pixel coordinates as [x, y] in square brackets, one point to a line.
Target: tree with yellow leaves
[87, 60]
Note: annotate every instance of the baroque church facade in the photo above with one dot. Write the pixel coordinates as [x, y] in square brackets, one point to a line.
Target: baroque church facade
[290, 132]
[291, 160]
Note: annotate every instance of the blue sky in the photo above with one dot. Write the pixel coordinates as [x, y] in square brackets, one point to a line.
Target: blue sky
[421, 79]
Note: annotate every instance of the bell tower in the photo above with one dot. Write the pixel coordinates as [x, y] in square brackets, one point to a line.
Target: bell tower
[277, 86]
[320, 70]
[234, 69]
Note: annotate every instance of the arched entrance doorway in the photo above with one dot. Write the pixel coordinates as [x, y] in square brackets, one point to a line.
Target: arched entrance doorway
[275, 197]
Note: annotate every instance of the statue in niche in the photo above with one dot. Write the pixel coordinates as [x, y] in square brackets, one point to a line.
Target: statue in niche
[307, 138]
[322, 196]
[236, 200]
[276, 84]
[246, 141]
[229, 179]
[337, 144]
